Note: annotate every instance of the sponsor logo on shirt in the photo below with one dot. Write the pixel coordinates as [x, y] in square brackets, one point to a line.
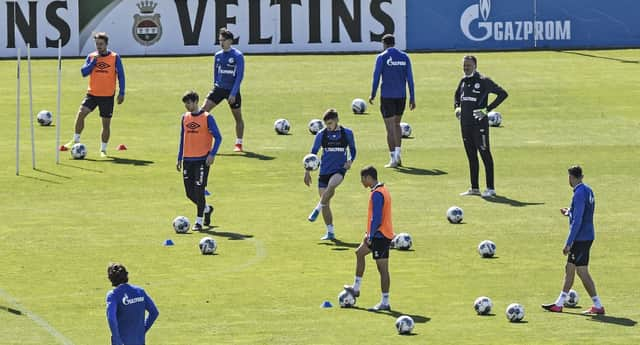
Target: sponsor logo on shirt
[390, 62]
[334, 149]
[127, 301]
[472, 99]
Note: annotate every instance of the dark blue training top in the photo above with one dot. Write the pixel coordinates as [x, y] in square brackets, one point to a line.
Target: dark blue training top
[394, 66]
[334, 149]
[126, 305]
[228, 70]
[583, 206]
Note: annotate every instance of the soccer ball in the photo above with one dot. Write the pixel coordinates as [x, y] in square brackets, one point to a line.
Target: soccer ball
[311, 162]
[44, 118]
[78, 151]
[207, 246]
[404, 324]
[359, 106]
[346, 299]
[181, 224]
[483, 305]
[282, 126]
[515, 312]
[315, 126]
[486, 249]
[572, 299]
[402, 241]
[495, 119]
[406, 129]
[454, 214]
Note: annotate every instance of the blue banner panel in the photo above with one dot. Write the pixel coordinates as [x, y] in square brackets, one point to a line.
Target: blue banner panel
[522, 24]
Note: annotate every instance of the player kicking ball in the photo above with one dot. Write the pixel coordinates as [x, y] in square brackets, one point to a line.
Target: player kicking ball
[334, 140]
[578, 245]
[378, 238]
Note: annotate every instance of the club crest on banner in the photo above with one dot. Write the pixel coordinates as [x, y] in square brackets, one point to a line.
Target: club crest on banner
[147, 28]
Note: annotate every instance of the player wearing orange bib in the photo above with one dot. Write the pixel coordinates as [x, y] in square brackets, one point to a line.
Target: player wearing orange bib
[198, 132]
[378, 237]
[103, 68]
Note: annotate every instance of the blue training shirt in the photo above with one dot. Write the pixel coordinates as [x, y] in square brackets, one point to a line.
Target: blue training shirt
[583, 206]
[90, 64]
[376, 219]
[334, 149]
[228, 70]
[394, 66]
[213, 129]
[126, 305]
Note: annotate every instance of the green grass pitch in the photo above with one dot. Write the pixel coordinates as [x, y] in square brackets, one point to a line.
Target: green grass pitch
[62, 224]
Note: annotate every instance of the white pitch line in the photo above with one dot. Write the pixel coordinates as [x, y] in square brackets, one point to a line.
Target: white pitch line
[35, 318]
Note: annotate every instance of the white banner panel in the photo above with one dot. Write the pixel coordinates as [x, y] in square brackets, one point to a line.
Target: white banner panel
[39, 23]
[262, 26]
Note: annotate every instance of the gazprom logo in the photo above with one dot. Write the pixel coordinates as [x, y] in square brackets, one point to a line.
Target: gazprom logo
[390, 62]
[475, 25]
[127, 301]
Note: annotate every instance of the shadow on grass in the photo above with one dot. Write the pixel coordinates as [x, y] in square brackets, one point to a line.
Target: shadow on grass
[118, 160]
[11, 310]
[501, 199]
[80, 168]
[600, 57]
[234, 236]
[249, 154]
[339, 245]
[395, 314]
[52, 173]
[420, 171]
[40, 179]
[620, 321]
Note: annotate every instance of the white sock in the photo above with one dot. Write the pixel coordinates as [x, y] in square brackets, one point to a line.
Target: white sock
[207, 209]
[356, 283]
[319, 206]
[397, 151]
[392, 154]
[596, 302]
[330, 228]
[199, 220]
[239, 141]
[103, 147]
[385, 298]
[76, 138]
[561, 298]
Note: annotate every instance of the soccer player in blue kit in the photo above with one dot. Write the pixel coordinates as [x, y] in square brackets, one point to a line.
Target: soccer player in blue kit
[126, 305]
[228, 71]
[334, 140]
[578, 244]
[394, 67]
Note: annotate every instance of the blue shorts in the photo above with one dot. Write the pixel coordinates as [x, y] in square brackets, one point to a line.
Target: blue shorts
[323, 180]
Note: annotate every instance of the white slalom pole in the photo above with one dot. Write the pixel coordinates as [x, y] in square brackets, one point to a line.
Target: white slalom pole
[18, 114]
[58, 104]
[33, 140]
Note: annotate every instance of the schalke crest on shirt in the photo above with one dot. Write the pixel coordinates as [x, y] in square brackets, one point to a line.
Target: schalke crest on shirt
[147, 29]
